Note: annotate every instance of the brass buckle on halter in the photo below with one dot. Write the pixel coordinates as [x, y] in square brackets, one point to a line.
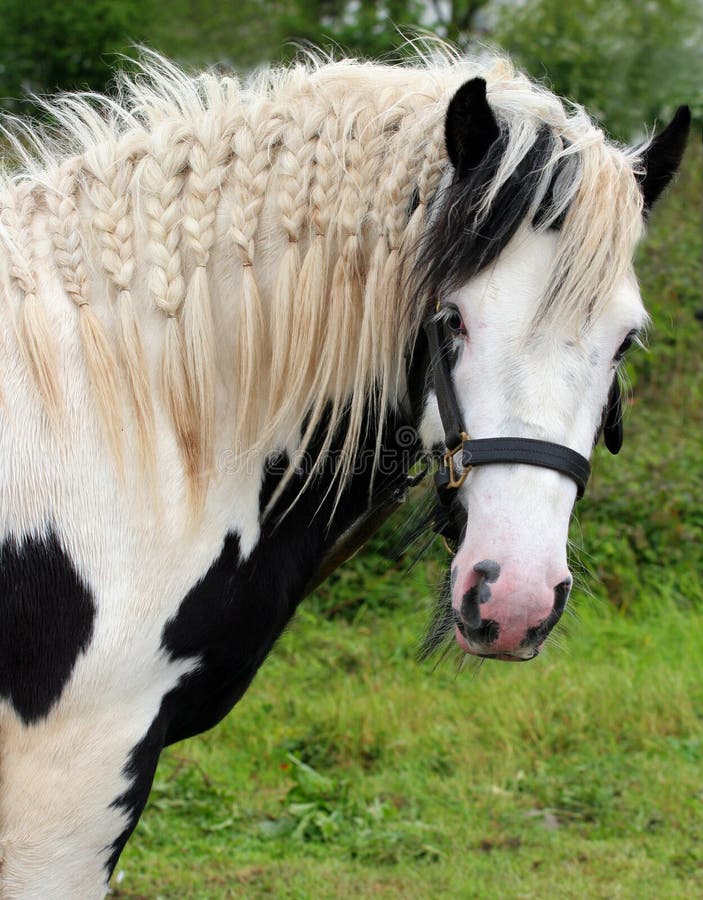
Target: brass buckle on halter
[455, 482]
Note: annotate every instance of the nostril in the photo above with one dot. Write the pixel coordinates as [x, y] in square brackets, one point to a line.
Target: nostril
[561, 595]
[477, 595]
[470, 606]
[538, 633]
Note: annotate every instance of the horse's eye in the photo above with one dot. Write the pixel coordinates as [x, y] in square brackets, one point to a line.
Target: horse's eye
[626, 344]
[454, 321]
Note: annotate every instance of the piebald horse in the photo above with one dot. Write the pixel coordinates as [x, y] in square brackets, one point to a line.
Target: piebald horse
[228, 312]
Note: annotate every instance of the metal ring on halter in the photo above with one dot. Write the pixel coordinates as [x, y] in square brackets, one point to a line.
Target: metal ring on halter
[455, 482]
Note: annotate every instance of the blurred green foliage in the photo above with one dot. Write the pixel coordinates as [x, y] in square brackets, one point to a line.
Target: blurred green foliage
[628, 63]
[253, 31]
[50, 45]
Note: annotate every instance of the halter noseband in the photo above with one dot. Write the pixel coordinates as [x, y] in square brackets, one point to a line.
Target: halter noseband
[491, 451]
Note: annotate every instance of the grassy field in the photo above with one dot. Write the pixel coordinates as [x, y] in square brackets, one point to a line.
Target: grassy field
[349, 770]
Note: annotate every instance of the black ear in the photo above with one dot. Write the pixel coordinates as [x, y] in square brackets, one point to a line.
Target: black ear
[662, 156]
[470, 127]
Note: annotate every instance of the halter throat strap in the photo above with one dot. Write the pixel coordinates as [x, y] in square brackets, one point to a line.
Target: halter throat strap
[486, 451]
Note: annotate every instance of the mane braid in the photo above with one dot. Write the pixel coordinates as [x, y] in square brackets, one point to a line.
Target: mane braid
[208, 156]
[347, 283]
[329, 387]
[250, 174]
[283, 237]
[303, 279]
[162, 177]
[401, 185]
[69, 254]
[108, 180]
[34, 335]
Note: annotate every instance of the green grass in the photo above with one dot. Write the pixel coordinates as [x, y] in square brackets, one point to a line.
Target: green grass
[348, 770]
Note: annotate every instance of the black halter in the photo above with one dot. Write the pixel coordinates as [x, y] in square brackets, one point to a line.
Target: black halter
[491, 451]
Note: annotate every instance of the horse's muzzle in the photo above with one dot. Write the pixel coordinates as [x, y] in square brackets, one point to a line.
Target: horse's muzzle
[500, 618]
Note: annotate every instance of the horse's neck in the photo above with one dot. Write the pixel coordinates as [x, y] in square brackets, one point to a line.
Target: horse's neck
[327, 522]
[235, 279]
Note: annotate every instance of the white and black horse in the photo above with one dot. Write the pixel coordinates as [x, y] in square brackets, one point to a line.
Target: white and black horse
[233, 316]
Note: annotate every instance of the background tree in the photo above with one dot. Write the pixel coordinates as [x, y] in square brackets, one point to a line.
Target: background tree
[459, 21]
[628, 63]
[367, 28]
[49, 45]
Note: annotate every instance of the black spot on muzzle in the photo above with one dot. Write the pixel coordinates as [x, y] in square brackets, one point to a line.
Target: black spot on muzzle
[479, 593]
[539, 633]
[489, 569]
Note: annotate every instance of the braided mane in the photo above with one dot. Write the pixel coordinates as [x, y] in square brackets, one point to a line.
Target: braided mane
[265, 233]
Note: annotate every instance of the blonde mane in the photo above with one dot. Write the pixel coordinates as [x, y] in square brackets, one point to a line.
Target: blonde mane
[307, 192]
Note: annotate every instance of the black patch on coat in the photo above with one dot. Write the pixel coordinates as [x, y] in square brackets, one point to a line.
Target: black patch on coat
[140, 769]
[232, 617]
[46, 621]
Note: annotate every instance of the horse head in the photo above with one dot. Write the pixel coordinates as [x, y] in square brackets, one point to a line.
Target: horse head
[532, 305]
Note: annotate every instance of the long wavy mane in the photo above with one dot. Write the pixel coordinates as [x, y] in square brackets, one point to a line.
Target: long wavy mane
[280, 230]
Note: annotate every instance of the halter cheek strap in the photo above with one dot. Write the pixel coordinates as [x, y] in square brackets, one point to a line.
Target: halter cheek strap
[487, 451]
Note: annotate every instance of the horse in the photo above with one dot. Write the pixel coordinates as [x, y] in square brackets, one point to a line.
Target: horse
[235, 315]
